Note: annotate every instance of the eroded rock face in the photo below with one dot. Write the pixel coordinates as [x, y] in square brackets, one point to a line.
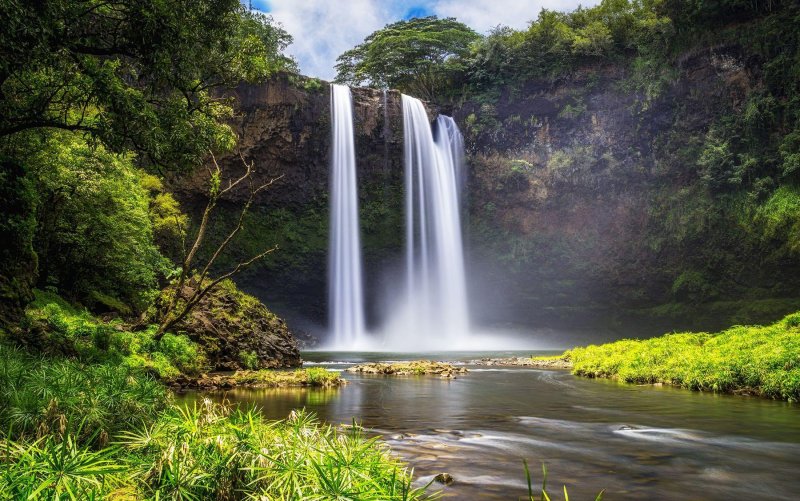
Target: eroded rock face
[285, 130]
[227, 323]
[587, 204]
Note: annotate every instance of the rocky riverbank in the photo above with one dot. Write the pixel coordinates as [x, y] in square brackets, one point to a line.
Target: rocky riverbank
[313, 377]
[538, 363]
[413, 368]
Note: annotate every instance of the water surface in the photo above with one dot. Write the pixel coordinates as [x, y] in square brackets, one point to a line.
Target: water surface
[637, 442]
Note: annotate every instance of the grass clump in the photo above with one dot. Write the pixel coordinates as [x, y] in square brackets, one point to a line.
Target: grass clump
[70, 430]
[40, 396]
[762, 360]
[545, 496]
[314, 376]
[210, 451]
[66, 330]
[207, 451]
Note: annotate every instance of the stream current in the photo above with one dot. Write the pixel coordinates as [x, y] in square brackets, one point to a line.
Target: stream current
[636, 442]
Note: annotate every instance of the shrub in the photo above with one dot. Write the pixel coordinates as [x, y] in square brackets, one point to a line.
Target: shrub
[764, 360]
[182, 353]
[249, 359]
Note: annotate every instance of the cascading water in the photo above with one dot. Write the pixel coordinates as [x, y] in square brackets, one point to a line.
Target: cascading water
[345, 282]
[435, 314]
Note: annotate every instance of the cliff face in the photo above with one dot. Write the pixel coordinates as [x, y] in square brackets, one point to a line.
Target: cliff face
[285, 131]
[588, 205]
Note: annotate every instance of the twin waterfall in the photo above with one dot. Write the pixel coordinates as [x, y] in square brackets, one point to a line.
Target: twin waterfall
[432, 311]
[436, 292]
[345, 283]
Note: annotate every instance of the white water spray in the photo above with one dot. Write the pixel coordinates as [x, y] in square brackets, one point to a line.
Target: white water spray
[345, 282]
[435, 313]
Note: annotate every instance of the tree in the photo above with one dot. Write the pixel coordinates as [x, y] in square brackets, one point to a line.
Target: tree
[94, 232]
[135, 74]
[179, 302]
[141, 78]
[416, 56]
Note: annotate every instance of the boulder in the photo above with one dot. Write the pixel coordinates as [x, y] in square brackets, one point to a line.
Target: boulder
[231, 327]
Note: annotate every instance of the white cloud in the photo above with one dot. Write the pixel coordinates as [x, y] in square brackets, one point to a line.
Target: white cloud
[482, 15]
[323, 29]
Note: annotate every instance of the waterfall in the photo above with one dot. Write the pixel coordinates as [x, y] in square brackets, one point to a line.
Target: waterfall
[345, 282]
[436, 313]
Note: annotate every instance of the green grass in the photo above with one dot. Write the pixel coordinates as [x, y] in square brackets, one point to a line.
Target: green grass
[314, 376]
[546, 496]
[62, 329]
[208, 451]
[761, 360]
[40, 396]
[70, 430]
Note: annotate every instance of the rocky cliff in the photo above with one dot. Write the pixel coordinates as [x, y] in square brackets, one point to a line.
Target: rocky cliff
[590, 205]
[284, 129]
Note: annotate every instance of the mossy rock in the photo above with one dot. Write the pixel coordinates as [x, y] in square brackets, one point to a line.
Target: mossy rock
[227, 322]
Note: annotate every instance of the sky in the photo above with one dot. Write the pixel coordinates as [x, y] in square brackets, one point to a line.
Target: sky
[323, 29]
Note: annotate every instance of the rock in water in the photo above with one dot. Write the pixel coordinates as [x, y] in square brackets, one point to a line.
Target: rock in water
[444, 478]
[228, 323]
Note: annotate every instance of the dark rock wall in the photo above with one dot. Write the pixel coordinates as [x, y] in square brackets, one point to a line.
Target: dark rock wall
[585, 206]
[588, 208]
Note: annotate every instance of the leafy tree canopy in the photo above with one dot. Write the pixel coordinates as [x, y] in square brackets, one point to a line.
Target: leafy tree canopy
[414, 56]
[94, 237]
[135, 74]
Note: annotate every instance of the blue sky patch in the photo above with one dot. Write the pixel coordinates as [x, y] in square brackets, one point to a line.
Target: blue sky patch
[417, 11]
[262, 5]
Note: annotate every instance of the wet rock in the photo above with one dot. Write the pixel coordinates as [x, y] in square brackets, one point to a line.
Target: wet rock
[227, 323]
[538, 363]
[417, 367]
[444, 478]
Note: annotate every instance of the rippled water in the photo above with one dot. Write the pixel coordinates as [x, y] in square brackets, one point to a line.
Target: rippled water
[637, 442]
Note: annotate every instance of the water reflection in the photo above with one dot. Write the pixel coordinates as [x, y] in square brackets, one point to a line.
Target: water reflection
[638, 442]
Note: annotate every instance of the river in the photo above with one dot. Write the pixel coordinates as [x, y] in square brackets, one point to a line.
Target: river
[636, 442]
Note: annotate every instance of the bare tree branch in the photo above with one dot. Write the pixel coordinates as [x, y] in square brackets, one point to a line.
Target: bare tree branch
[168, 317]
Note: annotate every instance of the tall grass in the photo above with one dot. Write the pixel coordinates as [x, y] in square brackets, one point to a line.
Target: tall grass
[210, 451]
[764, 360]
[39, 396]
[546, 496]
[74, 431]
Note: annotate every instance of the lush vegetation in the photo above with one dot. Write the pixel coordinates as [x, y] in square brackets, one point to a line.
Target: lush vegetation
[60, 329]
[419, 56]
[76, 431]
[136, 75]
[92, 94]
[759, 360]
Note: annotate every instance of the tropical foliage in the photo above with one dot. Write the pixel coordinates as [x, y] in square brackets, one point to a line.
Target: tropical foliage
[138, 75]
[417, 56]
[752, 359]
[124, 439]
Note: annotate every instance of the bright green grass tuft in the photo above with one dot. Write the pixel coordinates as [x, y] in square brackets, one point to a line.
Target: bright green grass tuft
[70, 430]
[762, 360]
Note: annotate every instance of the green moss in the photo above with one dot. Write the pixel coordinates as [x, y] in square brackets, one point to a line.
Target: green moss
[764, 360]
[66, 330]
[315, 376]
